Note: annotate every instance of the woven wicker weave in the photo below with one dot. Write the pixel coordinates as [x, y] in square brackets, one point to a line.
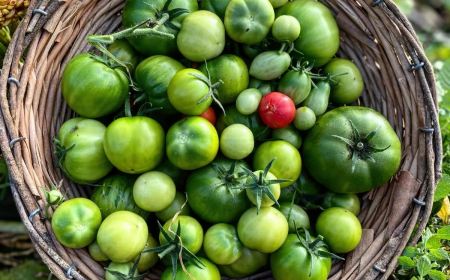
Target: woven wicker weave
[378, 38]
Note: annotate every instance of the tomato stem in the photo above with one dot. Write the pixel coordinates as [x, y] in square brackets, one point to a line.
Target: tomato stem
[167, 251]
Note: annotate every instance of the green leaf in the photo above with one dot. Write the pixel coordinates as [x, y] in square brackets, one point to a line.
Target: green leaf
[443, 188]
[444, 75]
[414, 278]
[423, 266]
[444, 233]
[410, 252]
[434, 243]
[439, 254]
[406, 262]
[436, 275]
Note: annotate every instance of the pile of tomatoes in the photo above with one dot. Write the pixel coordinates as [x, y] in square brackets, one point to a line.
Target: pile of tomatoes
[271, 180]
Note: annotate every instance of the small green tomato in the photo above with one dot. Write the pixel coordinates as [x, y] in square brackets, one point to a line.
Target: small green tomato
[248, 101]
[236, 141]
[286, 28]
[304, 118]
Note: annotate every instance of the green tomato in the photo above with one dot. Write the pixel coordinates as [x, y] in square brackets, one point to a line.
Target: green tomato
[107, 87]
[248, 101]
[201, 37]
[278, 3]
[340, 229]
[251, 51]
[216, 6]
[134, 144]
[296, 85]
[122, 236]
[124, 52]
[249, 21]
[153, 75]
[236, 141]
[317, 99]
[348, 201]
[270, 65]
[154, 191]
[148, 260]
[96, 253]
[192, 143]
[210, 194]
[123, 268]
[272, 229]
[263, 86]
[350, 86]
[169, 212]
[287, 194]
[85, 162]
[76, 222]
[304, 119]
[285, 28]
[319, 36]
[208, 271]
[222, 245]
[329, 158]
[249, 263]
[287, 165]
[185, 91]
[307, 185]
[232, 71]
[295, 215]
[115, 193]
[191, 233]
[179, 176]
[138, 11]
[288, 134]
[265, 199]
[293, 261]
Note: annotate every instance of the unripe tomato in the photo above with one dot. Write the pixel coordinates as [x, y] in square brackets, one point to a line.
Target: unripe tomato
[286, 28]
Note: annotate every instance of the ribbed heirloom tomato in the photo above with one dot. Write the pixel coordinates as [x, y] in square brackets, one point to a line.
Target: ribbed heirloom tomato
[276, 110]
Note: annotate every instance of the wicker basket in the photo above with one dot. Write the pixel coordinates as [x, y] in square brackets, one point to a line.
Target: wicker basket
[376, 36]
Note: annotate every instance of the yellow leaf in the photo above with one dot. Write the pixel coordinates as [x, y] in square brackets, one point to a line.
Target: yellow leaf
[444, 213]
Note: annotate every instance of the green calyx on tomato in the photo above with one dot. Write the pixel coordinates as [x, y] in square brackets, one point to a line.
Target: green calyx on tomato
[53, 197]
[123, 271]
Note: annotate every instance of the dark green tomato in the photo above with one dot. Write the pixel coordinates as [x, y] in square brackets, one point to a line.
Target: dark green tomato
[249, 263]
[263, 86]
[134, 144]
[294, 213]
[115, 193]
[169, 212]
[76, 222]
[86, 161]
[202, 36]
[222, 245]
[293, 262]
[253, 122]
[209, 271]
[288, 134]
[178, 175]
[211, 198]
[191, 233]
[107, 87]
[307, 184]
[137, 11]
[296, 85]
[287, 193]
[251, 51]
[329, 159]
[288, 162]
[348, 201]
[317, 99]
[97, 253]
[270, 65]
[123, 268]
[153, 75]
[124, 52]
[233, 71]
[319, 36]
[249, 21]
[437, 205]
[148, 260]
[216, 6]
[350, 86]
[192, 143]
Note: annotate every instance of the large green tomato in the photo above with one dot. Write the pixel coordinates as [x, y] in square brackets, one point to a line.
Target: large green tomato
[264, 232]
[138, 11]
[287, 165]
[134, 144]
[210, 194]
[123, 268]
[348, 201]
[148, 260]
[319, 36]
[154, 191]
[76, 222]
[115, 193]
[153, 75]
[93, 89]
[249, 21]
[232, 71]
[216, 6]
[222, 245]
[294, 213]
[192, 143]
[86, 161]
[191, 233]
[202, 36]
[168, 213]
[209, 271]
[293, 262]
[249, 263]
[122, 236]
[342, 168]
[340, 229]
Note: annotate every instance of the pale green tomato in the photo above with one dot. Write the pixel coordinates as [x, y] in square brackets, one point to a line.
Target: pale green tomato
[236, 141]
[97, 253]
[154, 191]
[304, 118]
[294, 213]
[288, 134]
[248, 101]
[278, 3]
[286, 28]
[148, 260]
[123, 268]
[222, 245]
[168, 213]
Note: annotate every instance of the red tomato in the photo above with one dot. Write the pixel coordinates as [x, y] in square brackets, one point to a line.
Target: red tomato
[276, 110]
[209, 114]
